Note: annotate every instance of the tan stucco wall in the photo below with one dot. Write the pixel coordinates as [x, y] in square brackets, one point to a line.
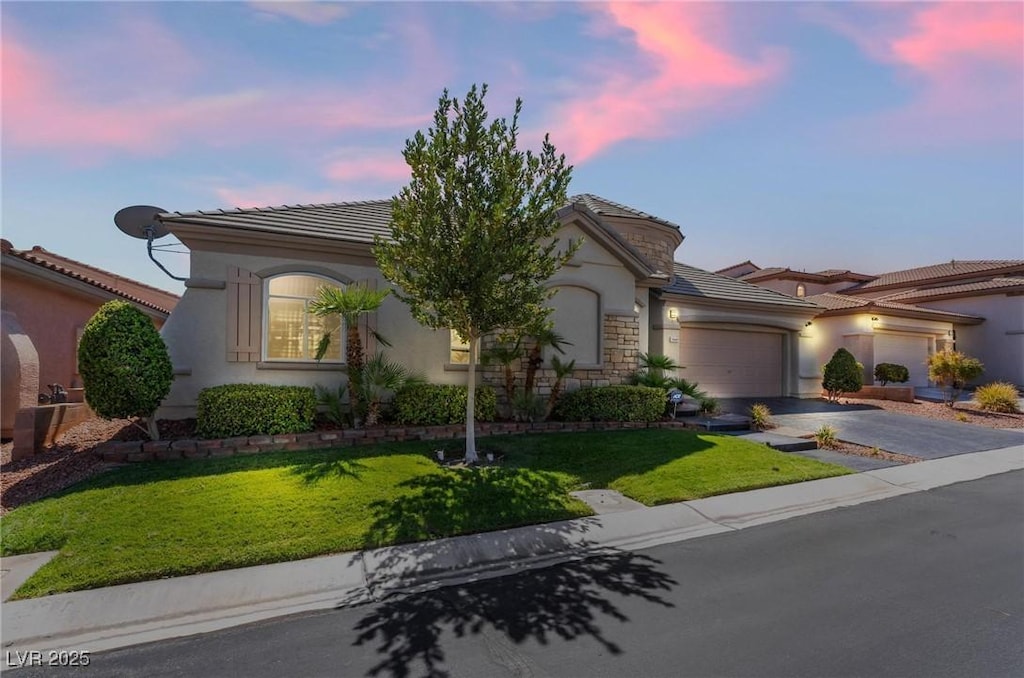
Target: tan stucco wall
[196, 331]
[999, 341]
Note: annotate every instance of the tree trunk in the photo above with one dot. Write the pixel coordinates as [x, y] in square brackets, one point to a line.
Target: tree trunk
[471, 455]
[152, 428]
[354, 360]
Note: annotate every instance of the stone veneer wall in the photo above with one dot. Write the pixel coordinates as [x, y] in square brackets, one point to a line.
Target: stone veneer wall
[167, 450]
[659, 250]
[620, 357]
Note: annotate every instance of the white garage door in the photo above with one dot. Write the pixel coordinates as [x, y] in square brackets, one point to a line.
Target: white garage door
[732, 364]
[909, 350]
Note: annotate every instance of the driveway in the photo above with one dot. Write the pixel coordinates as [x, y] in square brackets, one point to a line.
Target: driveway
[916, 436]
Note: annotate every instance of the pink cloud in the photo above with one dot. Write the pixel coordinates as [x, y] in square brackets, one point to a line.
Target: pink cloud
[685, 74]
[963, 64]
[67, 102]
[315, 13]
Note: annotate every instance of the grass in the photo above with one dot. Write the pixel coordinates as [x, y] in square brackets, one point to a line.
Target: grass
[163, 519]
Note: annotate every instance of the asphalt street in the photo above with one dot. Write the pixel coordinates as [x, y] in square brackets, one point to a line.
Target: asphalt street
[928, 584]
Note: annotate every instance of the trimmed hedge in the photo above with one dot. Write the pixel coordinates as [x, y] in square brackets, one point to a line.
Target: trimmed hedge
[254, 409]
[611, 403]
[886, 372]
[437, 404]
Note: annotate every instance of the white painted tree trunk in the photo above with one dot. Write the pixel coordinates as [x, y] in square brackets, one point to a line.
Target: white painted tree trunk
[471, 455]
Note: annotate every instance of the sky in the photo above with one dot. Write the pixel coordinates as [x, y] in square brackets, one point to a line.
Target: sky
[870, 137]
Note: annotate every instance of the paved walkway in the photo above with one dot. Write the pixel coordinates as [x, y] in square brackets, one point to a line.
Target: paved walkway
[117, 616]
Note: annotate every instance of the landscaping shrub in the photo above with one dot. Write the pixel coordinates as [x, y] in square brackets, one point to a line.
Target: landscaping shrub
[709, 406]
[827, 437]
[436, 404]
[842, 375]
[611, 403]
[886, 372]
[998, 396]
[952, 370]
[254, 409]
[760, 417]
[124, 364]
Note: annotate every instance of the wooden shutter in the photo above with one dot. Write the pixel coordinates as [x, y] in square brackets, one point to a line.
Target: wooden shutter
[245, 306]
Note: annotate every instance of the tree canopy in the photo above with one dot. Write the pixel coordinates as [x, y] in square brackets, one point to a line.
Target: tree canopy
[473, 233]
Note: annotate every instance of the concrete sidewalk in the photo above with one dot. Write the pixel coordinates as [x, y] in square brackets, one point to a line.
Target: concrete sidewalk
[118, 616]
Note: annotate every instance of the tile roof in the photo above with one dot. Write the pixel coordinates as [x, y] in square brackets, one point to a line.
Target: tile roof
[763, 273]
[837, 303]
[117, 285]
[609, 208]
[826, 276]
[951, 269]
[964, 289]
[695, 282]
[350, 221]
[748, 262]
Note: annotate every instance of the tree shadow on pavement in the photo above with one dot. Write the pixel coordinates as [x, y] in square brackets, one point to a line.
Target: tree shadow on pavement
[564, 602]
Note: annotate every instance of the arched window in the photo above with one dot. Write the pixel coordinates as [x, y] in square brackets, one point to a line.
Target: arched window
[292, 332]
[801, 291]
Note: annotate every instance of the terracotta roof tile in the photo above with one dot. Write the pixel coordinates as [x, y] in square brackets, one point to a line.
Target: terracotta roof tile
[995, 284]
[126, 288]
[949, 270]
[609, 208]
[841, 302]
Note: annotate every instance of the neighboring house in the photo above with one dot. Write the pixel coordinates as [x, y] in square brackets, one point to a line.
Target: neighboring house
[47, 300]
[244, 316]
[904, 316]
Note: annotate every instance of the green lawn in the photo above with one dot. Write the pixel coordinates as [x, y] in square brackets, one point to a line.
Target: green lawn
[162, 519]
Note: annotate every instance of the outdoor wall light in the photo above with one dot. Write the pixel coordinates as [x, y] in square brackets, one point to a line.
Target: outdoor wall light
[673, 313]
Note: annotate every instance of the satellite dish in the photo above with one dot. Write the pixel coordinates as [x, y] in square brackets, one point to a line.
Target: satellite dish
[139, 221]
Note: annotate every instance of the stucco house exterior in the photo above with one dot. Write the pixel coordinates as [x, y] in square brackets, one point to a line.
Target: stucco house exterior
[47, 300]
[243, 316]
[904, 316]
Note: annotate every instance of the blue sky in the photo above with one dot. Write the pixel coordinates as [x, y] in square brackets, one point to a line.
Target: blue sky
[836, 135]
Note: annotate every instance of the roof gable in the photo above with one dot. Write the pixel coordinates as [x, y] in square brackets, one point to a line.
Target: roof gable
[938, 273]
[116, 285]
[842, 304]
[695, 282]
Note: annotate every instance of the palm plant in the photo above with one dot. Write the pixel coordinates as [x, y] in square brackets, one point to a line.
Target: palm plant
[543, 337]
[379, 377]
[349, 303]
[654, 371]
[562, 370]
[505, 354]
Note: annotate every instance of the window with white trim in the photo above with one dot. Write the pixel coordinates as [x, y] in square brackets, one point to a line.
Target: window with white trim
[292, 332]
[458, 349]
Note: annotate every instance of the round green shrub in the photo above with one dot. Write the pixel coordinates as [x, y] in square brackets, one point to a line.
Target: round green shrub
[437, 404]
[124, 363]
[842, 375]
[886, 372]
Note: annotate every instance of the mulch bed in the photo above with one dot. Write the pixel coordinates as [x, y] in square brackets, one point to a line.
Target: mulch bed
[963, 412]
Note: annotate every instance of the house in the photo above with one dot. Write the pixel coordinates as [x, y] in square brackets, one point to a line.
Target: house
[244, 316]
[904, 316]
[47, 300]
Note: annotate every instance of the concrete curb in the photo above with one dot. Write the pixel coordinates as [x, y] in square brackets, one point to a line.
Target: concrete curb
[118, 616]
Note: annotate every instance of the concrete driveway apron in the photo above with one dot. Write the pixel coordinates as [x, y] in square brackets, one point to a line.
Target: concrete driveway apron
[916, 436]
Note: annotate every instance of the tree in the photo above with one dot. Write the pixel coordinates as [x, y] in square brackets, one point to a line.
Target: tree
[350, 303]
[124, 364]
[473, 233]
[542, 337]
[952, 370]
[505, 353]
[842, 375]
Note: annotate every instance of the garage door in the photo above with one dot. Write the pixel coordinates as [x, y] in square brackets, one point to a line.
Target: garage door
[732, 364]
[909, 350]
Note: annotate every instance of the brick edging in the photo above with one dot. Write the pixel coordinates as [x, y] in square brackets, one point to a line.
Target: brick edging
[135, 451]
